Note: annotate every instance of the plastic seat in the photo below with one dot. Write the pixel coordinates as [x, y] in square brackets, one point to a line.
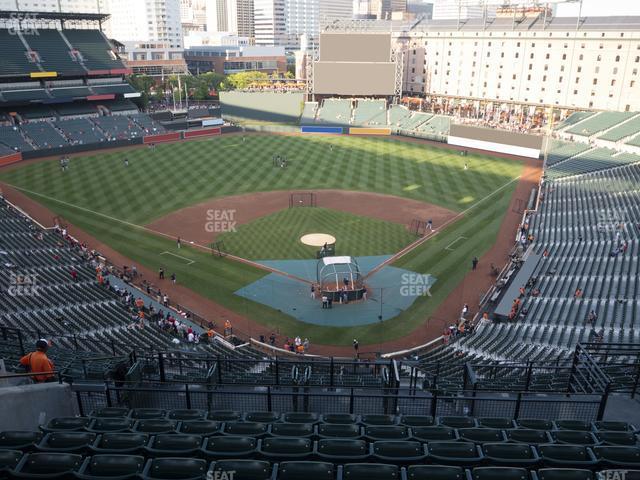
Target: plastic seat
[564, 474]
[66, 424]
[215, 448]
[20, 440]
[458, 422]
[454, 453]
[434, 434]
[613, 426]
[378, 420]
[499, 473]
[200, 427]
[510, 455]
[175, 468]
[48, 465]
[262, 417]
[174, 445]
[481, 435]
[397, 452]
[292, 429]
[535, 424]
[155, 426]
[417, 420]
[337, 450]
[332, 430]
[579, 425]
[246, 429]
[285, 448]
[224, 416]
[619, 457]
[574, 437]
[306, 471]
[113, 467]
[435, 472]
[388, 432]
[123, 443]
[339, 418]
[370, 471]
[566, 455]
[300, 417]
[496, 422]
[186, 414]
[531, 437]
[66, 442]
[244, 469]
[617, 438]
[9, 459]
[147, 413]
[109, 412]
[110, 424]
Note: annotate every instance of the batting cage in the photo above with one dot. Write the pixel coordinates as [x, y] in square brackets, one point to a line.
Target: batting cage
[338, 276]
[217, 249]
[302, 199]
[418, 227]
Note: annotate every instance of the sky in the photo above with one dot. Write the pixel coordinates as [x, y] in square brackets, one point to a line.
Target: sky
[594, 8]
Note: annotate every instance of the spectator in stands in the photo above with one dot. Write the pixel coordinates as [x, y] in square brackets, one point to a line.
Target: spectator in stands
[38, 362]
[272, 339]
[578, 293]
[228, 329]
[74, 274]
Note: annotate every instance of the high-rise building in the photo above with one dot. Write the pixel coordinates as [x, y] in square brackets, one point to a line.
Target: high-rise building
[460, 9]
[234, 16]
[269, 21]
[304, 17]
[378, 9]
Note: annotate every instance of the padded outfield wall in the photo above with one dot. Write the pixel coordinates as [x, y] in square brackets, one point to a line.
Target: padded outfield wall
[262, 106]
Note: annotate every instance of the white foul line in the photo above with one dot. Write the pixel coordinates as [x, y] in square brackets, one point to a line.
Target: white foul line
[448, 247]
[179, 256]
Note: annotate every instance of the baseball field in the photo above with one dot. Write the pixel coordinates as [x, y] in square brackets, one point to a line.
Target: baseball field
[228, 190]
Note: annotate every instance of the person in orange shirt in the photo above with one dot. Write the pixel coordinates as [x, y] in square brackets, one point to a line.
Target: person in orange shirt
[227, 328]
[139, 303]
[39, 362]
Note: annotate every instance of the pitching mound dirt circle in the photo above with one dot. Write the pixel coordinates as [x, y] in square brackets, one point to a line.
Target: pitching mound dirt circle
[202, 222]
[318, 239]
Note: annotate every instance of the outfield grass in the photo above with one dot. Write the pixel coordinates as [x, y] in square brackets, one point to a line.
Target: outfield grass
[106, 199]
[277, 236]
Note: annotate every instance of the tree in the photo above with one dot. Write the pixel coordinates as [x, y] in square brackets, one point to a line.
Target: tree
[142, 83]
[242, 80]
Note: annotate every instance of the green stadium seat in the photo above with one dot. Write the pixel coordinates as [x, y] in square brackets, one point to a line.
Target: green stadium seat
[306, 471]
[67, 424]
[369, 471]
[499, 473]
[9, 459]
[332, 430]
[285, 448]
[338, 450]
[113, 467]
[147, 413]
[620, 457]
[186, 414]
[417, 420]
[110, 424]
[398, 452]
[613, 426]
[526, 435]
[300, 417]
[48, 465]
[244, 469]
[574, 437]
[564, 474]
[617, 438]
[246, 429]
[215, 448]
[301, 430]
[566, 455]
[123, 443]
[378, 420]
[200, 427]
[224, 416]
[535, 424]
[496, 422]
[454, 453]
[481, 435]
[66, 442]
[110, 412]
[174, 445]
[262, 417]
[339, 418]
[435, 472]
[387, 432]
[155, 426]
[434, 434]
[457, 422]
[580, 425]
[175, 468]
[510, 455]
[19, 440]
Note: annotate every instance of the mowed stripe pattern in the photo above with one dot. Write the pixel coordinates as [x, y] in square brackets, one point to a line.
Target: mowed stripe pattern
[174, 176]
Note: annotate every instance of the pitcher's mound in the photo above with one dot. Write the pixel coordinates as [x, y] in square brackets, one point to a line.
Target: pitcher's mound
[318, 239]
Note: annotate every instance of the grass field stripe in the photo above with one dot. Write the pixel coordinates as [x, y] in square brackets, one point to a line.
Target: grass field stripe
[179, 256]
